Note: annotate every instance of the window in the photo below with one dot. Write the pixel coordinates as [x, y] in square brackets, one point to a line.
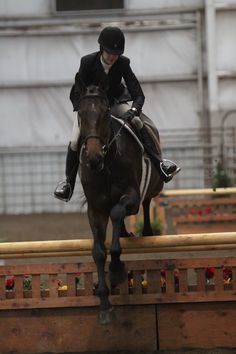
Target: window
[80, 5]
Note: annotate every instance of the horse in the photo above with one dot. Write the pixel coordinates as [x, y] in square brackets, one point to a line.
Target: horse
[110, 171]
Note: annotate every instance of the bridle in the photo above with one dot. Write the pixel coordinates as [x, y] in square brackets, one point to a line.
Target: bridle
[110, 141]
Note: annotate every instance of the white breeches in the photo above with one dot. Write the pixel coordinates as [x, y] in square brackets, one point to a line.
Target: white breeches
[75, 133]
[116, 110]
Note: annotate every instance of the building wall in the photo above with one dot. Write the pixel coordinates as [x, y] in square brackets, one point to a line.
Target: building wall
[169, 44]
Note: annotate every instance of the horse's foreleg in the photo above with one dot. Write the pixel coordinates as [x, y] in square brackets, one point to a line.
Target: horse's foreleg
[127, 204]
[98, 225]
[147, 228]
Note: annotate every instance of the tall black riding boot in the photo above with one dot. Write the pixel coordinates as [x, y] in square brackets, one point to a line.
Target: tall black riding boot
[166, 168]
[64, 190]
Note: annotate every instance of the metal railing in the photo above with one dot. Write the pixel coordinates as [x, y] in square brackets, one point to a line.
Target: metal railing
[29, 175]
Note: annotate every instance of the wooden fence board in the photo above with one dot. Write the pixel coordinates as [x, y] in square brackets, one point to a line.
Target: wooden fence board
[156, 284]
[208, 325]
[77, 330]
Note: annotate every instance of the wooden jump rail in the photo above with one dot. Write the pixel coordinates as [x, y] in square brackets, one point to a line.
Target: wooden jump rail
[198, 207]
[56, 303]
[201, 191]
[148, 244]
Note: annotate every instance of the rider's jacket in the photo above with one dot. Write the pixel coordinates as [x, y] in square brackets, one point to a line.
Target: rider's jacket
[91, 72]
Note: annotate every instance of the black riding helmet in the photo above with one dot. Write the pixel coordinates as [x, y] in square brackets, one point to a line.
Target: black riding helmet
[112, 40]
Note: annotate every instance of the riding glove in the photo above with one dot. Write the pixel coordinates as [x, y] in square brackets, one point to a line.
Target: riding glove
[129, 115]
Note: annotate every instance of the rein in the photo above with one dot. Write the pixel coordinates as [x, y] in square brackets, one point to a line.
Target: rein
[115, 137]
[105, 147]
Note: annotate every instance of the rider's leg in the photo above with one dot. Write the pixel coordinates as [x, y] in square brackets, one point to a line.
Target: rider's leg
[64, 190]
[167, 169]
[118, 109]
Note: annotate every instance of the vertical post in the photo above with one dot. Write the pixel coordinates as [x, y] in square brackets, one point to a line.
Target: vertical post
[212, 80]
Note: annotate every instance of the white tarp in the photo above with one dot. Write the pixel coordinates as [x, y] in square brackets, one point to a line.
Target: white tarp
[38, 117]
[43, 115]
[25, 7]
[36, 73]
[56, 58]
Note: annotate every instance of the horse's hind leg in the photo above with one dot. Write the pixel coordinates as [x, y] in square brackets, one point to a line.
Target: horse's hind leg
[147, 228]
[98, 223]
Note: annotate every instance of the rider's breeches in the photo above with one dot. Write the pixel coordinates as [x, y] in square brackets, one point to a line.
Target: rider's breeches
[75, 133]
[118, 109]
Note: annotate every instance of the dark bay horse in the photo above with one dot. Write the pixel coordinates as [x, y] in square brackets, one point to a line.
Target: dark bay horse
[110, 170]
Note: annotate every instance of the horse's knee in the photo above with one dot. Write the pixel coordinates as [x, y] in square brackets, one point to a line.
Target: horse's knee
[128, 204]
[131, 202]
[118, 213]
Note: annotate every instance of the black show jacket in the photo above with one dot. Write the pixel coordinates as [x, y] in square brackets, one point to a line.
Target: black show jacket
[91, 72]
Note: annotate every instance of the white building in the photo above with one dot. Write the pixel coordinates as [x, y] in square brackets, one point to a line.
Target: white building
[183, 52]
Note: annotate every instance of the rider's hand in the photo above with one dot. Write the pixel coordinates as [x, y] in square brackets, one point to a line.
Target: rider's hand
[129, 115]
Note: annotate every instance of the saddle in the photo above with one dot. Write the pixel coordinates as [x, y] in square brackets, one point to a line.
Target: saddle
[151, 129]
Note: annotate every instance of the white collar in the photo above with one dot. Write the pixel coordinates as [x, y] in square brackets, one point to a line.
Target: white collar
[106, 66]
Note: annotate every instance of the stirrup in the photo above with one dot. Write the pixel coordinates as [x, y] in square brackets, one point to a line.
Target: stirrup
[168, 177]
[60, 189]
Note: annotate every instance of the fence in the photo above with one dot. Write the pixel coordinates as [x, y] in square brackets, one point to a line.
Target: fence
[191, 210]
[53, 307]
[29, 175]
[28, 180]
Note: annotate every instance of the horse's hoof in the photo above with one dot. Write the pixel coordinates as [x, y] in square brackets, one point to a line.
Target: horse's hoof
[129, 235]
[117, 275]
[105, 316]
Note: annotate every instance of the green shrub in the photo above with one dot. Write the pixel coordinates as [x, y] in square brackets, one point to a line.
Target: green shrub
[220, 177]
[156, 225]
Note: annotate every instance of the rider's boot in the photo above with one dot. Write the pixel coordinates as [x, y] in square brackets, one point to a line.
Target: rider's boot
[167, 168]
[64, 189]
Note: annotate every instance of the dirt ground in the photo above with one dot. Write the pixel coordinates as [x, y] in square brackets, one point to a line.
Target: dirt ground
[34, 227]
[62, 226]
[193, 351]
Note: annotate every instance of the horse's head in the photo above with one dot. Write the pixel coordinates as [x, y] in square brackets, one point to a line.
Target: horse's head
[94, 121]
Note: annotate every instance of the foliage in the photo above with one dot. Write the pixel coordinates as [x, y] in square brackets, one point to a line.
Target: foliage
[156, 225]
[220, 177]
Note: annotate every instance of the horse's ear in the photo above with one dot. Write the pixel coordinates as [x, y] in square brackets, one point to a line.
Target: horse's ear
[80, 84]
[104, 83]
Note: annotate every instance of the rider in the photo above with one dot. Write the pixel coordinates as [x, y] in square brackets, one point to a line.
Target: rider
[110, 62]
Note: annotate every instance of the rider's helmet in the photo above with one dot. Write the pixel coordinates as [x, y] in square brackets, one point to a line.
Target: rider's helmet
[112, 40]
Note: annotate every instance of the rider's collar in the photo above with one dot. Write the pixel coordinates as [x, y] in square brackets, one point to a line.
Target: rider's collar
[106, 67]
